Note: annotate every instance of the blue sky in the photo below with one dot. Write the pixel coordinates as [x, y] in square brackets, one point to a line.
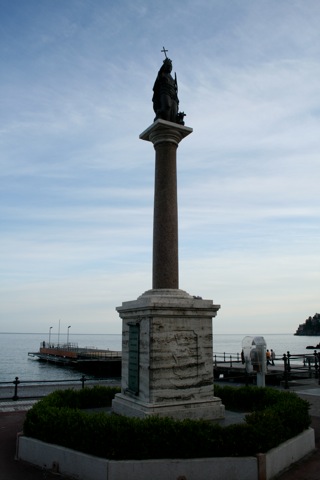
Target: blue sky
[77, 183]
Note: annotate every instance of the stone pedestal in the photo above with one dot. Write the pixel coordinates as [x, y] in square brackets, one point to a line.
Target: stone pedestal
[167, 359]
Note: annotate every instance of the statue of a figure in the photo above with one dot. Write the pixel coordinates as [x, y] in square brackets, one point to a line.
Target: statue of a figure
[165, 95]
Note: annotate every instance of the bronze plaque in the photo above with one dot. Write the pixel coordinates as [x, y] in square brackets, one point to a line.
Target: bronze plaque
[133, 370]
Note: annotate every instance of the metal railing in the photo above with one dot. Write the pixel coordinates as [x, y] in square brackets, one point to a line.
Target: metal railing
[34, 384]
[229, 358]
[309, 364]
[292, 365]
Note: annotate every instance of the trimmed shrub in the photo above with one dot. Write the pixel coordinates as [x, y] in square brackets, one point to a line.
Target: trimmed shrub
[94, 397]
[59, 418]
[248, 399]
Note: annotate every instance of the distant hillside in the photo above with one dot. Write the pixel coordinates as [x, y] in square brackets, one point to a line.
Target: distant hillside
[310, 327]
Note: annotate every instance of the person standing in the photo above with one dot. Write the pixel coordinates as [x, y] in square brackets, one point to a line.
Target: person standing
[268, 357]
[273, 356]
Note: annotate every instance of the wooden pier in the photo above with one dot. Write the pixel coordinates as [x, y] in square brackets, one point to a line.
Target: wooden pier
[85, 359]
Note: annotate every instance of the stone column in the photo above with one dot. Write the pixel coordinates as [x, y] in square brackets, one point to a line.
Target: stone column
[165, 137]
[167, 358]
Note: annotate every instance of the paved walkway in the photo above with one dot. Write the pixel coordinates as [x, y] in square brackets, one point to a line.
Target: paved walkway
[12, 415]
[308, 468]
[10, 424]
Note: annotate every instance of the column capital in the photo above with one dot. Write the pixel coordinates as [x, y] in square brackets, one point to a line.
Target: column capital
[163, 131]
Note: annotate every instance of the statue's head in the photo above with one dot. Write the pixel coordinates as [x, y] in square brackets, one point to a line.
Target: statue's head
[167, 65]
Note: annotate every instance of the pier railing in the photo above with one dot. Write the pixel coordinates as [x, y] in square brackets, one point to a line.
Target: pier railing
[228, 358]
[289, 366]
[295, 365]
[35, 389]
[83, 352]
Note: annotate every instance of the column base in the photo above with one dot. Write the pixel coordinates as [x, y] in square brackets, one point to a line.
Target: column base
[201, 410]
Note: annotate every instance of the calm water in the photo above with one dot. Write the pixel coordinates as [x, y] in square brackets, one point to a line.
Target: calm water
[15, 362]
[14, 348]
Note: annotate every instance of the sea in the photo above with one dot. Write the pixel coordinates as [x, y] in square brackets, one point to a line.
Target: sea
[15, 360]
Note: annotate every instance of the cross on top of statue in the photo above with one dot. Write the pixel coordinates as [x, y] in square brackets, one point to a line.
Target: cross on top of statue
[164, 51]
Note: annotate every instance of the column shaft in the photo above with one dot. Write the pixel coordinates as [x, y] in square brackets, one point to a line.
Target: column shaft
[165, 220]
[165, 137]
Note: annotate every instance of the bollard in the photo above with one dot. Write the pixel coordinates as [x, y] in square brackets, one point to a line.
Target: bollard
[288, 361]
[16, 383]
[285, 360]
[83, 379]
[309, 367]
[316, 365]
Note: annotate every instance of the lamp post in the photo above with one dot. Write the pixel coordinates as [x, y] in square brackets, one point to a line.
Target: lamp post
[68, 335]
[50, 335]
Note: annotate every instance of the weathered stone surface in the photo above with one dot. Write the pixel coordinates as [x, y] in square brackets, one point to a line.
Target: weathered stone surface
[175, 357]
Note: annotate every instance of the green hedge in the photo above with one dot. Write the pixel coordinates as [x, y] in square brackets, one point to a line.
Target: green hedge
[58, 418]
[276, 415]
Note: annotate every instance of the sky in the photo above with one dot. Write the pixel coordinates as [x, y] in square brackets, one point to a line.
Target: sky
[77, 183]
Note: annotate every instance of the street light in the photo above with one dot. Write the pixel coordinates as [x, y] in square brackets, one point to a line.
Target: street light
[68, 335]
[49, 335]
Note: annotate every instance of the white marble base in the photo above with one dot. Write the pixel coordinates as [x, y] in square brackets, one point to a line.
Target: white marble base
[175, 357]
[206, 410]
